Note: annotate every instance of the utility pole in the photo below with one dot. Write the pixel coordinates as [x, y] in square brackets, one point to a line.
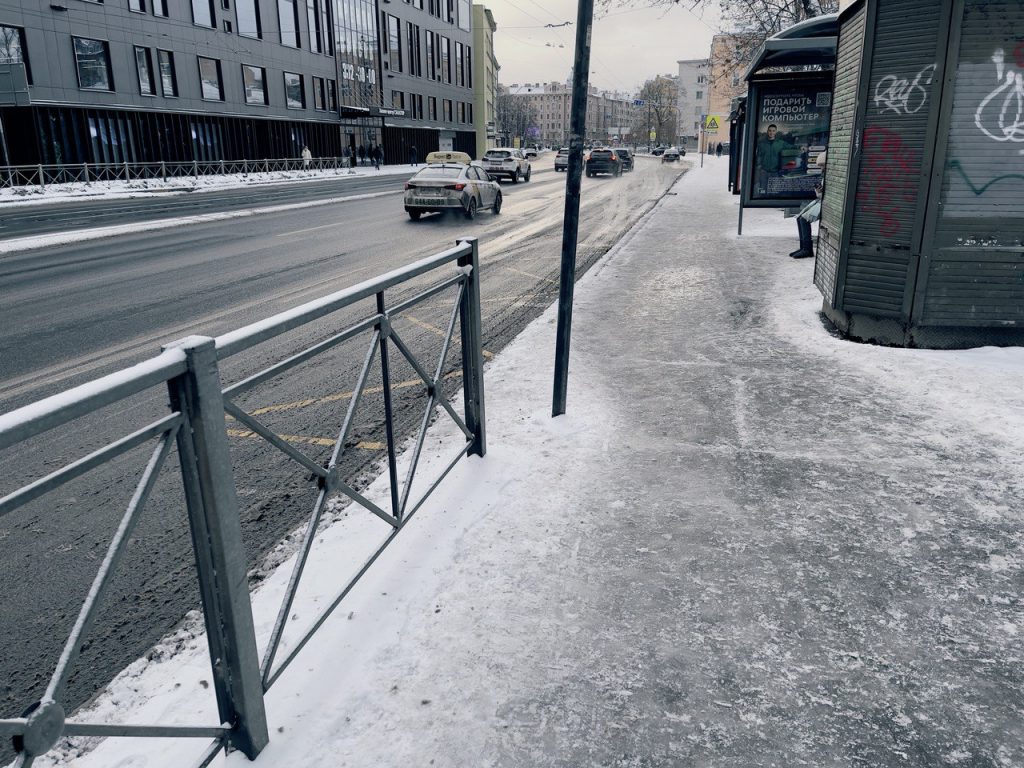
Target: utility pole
[570, 226]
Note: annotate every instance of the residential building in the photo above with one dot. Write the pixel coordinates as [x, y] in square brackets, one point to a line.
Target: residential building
[726, 68]
[112, 81]
[693, 98]
[609, 113]
[485, 77]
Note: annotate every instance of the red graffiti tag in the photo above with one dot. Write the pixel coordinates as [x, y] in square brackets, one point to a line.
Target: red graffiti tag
[1018, 55]
[887, 177]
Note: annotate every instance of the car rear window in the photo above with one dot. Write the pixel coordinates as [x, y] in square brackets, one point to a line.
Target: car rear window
[498, 154]
[438, 173]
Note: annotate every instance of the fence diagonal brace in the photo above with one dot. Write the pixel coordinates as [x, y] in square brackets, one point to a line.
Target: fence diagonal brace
[432, 386]
[273, 439]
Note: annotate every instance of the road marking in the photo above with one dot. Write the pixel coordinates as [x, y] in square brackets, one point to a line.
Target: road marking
[535, 277]
[304, 439]
[313, 229]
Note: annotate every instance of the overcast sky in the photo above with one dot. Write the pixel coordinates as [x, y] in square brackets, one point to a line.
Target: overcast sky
[630, 44]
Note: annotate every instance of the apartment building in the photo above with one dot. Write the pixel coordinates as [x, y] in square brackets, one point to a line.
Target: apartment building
[726, 68]
[694, 91]
[609, 113]
[485, 75]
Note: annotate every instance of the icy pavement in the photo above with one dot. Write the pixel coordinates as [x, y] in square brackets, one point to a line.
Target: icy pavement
[748, 543]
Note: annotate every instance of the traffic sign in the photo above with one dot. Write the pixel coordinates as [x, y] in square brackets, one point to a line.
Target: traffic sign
[712, 123]
[638, 102]
[652, 135]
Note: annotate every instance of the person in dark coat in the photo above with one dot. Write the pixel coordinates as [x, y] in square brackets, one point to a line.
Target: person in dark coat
[413, 157]
[378, 157]
[718, 150]
[362, 154]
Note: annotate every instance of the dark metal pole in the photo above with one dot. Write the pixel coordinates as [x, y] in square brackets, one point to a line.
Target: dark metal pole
[570, 227]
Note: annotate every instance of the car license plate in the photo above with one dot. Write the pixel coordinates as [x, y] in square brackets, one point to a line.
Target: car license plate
[426, 200]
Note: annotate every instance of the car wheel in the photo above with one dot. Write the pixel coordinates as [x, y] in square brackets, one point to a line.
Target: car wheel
[471, 209]
[497, 204]
[515, 176]
[528, 172]
[415, 215]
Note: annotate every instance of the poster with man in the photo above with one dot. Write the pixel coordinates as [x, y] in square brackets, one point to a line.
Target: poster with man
[792, 130]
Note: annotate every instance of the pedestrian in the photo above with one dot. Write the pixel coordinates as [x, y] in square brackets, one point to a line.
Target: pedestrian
[378, 157]
[306, 156]
[362, 154]
[810, 213]
[718, 150]
[413, 158]
[347, 154]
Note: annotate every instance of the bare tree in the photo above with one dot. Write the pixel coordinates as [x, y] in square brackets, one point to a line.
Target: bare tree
[659, 113]
[514, 114]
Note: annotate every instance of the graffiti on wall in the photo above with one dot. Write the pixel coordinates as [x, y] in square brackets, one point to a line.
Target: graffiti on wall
[904, 96]
[888, 170]
[1000, 115]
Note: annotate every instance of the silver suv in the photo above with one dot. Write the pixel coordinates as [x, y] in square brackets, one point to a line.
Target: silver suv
[507, 162]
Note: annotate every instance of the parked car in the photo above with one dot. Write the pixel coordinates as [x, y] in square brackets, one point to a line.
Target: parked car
[670, 155]
[530, 153]
[562, 159]
[451, 187]
[657, 151]
[626, 156]
[603, 160]
[507, 162]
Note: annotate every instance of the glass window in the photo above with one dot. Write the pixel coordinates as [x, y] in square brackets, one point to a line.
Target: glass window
[398, 99]
[294, 91]
[92, 59]
[12, 48]
[138, 6]
[431, 63]
[248, 14]
[446, 59]
[209, 79]
[288, 17]
[202, 13]
[319, 94]
[332, 95]
[394, 44]
[144, 66]
[464, 15]
[469, 67]
[159, 7]
[168, 77]
[432, 107]
[315, 33]
[254, 82]
[447, 105]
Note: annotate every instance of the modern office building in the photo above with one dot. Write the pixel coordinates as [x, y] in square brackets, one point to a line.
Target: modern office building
[693, 98]
[427, 65]
[485, 75]
[110, 81]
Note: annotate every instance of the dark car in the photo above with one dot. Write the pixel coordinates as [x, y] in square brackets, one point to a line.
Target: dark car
[657, 151]
[603, 160]
[626, 156]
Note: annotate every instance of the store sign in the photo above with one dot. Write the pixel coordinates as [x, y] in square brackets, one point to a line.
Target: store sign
[791, 128]
[386, 112]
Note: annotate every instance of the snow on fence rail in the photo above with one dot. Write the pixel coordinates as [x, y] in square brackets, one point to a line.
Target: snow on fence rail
[199, 406]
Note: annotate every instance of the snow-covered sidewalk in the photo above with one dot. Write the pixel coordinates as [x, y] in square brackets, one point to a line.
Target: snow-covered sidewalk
[748, 543]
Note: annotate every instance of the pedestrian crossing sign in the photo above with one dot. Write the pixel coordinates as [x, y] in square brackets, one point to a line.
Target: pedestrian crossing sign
[711, 123]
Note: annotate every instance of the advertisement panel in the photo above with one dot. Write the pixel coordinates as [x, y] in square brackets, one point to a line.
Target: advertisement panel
[790, 129]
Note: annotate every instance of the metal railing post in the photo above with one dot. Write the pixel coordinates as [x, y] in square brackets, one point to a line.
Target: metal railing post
[42, 181]
[163, 170]
[85, 172]
[217, 543]
[222, 171]
[195, 168]
[472, 350]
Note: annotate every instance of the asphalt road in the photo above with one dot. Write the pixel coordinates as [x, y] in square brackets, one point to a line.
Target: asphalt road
[70, 314]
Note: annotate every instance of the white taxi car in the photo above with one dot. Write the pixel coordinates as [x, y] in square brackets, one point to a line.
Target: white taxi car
[507, 162]
[451, 187]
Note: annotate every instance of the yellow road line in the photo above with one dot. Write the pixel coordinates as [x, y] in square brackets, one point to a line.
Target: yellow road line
[304, 439]
[535, 277]
[435, 329]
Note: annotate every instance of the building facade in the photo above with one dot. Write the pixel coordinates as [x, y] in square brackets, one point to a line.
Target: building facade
[726, 67]
[693, 98]
[428, 79]
[609, 114]
[112, 81]
[485, 76]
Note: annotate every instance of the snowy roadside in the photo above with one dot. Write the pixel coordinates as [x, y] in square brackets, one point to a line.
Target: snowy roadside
[121, 190]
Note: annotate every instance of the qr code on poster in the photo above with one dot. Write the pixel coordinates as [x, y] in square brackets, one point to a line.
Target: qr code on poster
[824, 99]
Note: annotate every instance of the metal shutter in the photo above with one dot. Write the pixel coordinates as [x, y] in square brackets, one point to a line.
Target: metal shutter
[840, 144]
[976, 272]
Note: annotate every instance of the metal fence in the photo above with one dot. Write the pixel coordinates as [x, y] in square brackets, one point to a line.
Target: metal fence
[199, 407]
[87, 173]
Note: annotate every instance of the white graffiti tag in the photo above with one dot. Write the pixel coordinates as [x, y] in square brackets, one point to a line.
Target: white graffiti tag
[903, 96]
[1000, 115]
